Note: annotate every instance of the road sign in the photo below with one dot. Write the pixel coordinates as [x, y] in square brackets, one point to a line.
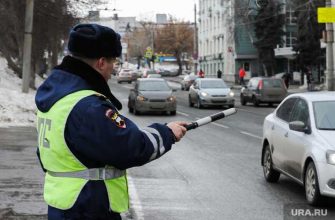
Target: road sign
[148, 52]
[326, 15]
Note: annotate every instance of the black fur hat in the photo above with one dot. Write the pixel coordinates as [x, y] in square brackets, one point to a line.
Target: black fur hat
[94, 41]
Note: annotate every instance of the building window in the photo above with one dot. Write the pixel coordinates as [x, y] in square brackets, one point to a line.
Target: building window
[290, 18]
[291, 39]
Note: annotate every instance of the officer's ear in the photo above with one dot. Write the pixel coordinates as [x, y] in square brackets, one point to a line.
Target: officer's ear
[100, 63]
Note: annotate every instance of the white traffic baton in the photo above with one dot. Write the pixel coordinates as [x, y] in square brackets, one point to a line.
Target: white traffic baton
[211, 118]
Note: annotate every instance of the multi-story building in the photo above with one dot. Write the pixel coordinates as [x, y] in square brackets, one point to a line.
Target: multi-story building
[225, 42]
[226, 37]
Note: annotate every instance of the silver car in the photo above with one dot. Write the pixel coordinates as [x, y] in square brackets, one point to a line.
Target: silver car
[210, 92]
[298, 141]
[152, 95]
[125, 75]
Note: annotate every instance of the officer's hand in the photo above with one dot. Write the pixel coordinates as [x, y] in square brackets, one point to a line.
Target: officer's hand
[178, 129]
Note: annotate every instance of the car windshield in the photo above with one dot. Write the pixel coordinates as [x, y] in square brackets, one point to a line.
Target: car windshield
[153, 86]
[324, 115]
[213, 84]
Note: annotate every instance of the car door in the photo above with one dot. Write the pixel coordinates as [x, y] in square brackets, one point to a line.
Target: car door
[297, 142]
[193, 91]
[279, 129]
[133, 94]
[250, 88]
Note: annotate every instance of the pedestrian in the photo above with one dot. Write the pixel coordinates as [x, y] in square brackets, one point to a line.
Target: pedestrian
[309, 77]
[219, 72]
[286, 77]
[85, 145]
[201, 74]
[242, 75]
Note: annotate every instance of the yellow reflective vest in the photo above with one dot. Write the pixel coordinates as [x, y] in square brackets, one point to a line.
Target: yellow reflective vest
[66, 175]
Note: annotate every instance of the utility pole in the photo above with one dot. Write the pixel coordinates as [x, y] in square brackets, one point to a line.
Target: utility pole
[195, 44]
[330, 78]
[153, 46]
[28, 28]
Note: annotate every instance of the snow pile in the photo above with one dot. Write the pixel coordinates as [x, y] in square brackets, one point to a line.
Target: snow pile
[16, 108]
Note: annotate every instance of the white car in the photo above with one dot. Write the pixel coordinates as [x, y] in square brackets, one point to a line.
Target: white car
[299, 141]
[210, 92]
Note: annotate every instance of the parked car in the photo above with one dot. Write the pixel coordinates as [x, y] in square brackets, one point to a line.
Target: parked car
[298, 141]
[164, 72]
[125, 75]
[136, 74]
[210, 92]
[263, 90]
[187, 81]
[152, 95]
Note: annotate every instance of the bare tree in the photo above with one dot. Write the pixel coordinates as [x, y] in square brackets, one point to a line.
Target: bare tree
[51, 24]
[175, 38]
[139, 39]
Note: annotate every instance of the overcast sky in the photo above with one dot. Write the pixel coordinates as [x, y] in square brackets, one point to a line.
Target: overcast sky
[147, 9]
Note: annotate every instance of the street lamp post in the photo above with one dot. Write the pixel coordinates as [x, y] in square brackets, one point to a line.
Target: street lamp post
[27, 45]
[195, 43]
[330, 78]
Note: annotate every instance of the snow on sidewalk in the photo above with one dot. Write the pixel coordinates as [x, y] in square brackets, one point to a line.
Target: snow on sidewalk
[16, 108]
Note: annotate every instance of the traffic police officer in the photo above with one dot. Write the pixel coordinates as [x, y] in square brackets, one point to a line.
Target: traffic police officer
[84, 144]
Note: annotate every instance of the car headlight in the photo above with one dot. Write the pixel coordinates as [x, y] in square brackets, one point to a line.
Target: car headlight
[231, 94]
[141, 98]
[171, 98]
[330, 155]
[203, 94]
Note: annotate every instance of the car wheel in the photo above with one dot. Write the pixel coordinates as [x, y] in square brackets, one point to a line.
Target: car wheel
[190, 101]
[270, 174]
[199, 103]
[255, 101]
[129, 82]
[173, 112]
[312, 190]
[231, 106]
[243, 101]
[136, 112]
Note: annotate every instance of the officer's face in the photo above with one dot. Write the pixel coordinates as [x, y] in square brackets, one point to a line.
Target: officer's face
[105, 66]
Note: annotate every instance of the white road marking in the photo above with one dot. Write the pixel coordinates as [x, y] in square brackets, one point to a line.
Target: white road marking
[251, 135]
[220, 125]
[135, 200]
[182, 113]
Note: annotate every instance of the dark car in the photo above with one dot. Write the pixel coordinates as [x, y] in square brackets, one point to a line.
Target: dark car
[263, 90]
[188, 81]
[152, 95]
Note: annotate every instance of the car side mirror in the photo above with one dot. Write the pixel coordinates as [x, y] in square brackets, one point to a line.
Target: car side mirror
[299, 126]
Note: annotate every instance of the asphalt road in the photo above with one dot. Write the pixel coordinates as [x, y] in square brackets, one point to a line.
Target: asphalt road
[213, 173]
